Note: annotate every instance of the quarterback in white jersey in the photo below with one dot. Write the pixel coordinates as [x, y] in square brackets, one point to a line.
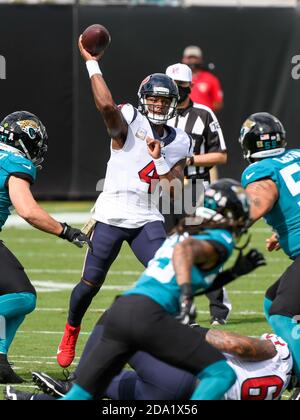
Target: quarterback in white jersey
[131, 177]
[265, 380]
[144, 150]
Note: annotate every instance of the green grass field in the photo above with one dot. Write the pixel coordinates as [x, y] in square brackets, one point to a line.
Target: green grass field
[55, 266]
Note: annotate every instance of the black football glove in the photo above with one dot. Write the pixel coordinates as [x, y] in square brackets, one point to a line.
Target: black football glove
[75, 236]
[188, 312]
[247, 263]
[244, 264]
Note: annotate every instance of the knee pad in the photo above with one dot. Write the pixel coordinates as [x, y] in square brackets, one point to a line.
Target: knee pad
[86, 290]
[94, 275]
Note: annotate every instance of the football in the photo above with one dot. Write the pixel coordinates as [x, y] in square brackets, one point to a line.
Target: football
[95, 39]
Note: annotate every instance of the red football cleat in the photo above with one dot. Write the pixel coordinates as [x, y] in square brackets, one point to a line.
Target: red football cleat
[66, 349]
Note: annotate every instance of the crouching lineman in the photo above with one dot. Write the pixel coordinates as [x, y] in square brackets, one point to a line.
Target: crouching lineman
[23, 144]
[263, 369]
[144, 318]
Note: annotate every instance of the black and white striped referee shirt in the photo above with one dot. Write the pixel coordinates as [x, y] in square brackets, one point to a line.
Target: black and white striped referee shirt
[201, 123]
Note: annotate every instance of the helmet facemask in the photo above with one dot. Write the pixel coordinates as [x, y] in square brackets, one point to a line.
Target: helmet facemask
[26, 134]
[158, 85]
[156, 118]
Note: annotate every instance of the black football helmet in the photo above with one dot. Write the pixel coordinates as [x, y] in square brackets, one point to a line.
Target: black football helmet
[227, 206]
[26, 133]
[262, 136]
[158, 84]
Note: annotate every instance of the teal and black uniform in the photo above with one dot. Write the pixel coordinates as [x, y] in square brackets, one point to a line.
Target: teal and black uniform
[19, 166]
[17, 295]
[284, 218]
[282, 302]
[158, 281]
[143, 318]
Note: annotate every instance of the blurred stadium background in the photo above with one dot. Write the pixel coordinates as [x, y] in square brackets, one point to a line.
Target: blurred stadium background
[250, 42]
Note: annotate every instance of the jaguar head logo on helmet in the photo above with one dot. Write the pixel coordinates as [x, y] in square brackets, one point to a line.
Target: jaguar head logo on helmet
[262, 136]
[24, 132]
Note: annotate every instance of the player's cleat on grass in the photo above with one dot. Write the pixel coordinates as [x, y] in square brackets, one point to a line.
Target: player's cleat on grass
[13, 394]
[7, 375]
[51, 386]
[214, 322]
[66, 349]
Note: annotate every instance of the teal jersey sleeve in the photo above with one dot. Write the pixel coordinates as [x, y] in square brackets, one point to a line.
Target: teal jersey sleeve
[19, 166]
[221, 236]
[257, 171]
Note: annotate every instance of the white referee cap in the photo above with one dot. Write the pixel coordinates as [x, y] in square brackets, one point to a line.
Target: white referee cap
[180, 72]
[192, 51]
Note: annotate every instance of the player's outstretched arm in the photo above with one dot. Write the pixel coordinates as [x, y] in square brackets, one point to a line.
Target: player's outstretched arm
[189, 252]
[185, 255]
[27, 208]
[263, 196]
[245, 348]
[116, 125]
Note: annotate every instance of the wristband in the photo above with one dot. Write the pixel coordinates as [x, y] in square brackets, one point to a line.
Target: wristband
[162, 168]
[186, 290]
[93, 68]
[65, 227]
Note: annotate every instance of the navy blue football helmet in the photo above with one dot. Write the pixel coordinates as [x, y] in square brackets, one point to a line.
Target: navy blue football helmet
[158, 84]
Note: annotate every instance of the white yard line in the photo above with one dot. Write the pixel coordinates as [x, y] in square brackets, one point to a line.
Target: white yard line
[70, 271]
[48, 332]
[51, 286]
[103, 310]
[72, 218]
[22, 386]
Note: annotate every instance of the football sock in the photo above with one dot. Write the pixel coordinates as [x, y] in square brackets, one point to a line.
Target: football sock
[77, 393]
[215, 381]
[288, 329]
[13, 308]
[267, 307]
[81, 298]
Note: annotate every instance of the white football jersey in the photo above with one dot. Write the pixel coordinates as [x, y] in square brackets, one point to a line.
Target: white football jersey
[127, 200]
[265, 380]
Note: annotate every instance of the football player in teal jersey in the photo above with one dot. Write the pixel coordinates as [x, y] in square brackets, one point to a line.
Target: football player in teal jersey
[273, 183]
[23, 144]
[147, 316]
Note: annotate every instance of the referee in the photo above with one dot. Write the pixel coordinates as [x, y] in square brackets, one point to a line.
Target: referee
[200, 122]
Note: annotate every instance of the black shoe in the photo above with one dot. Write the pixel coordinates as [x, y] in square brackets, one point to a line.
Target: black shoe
[296, 395]
[215, 321]
[50, 386]
[7, 375]
[13, 394]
